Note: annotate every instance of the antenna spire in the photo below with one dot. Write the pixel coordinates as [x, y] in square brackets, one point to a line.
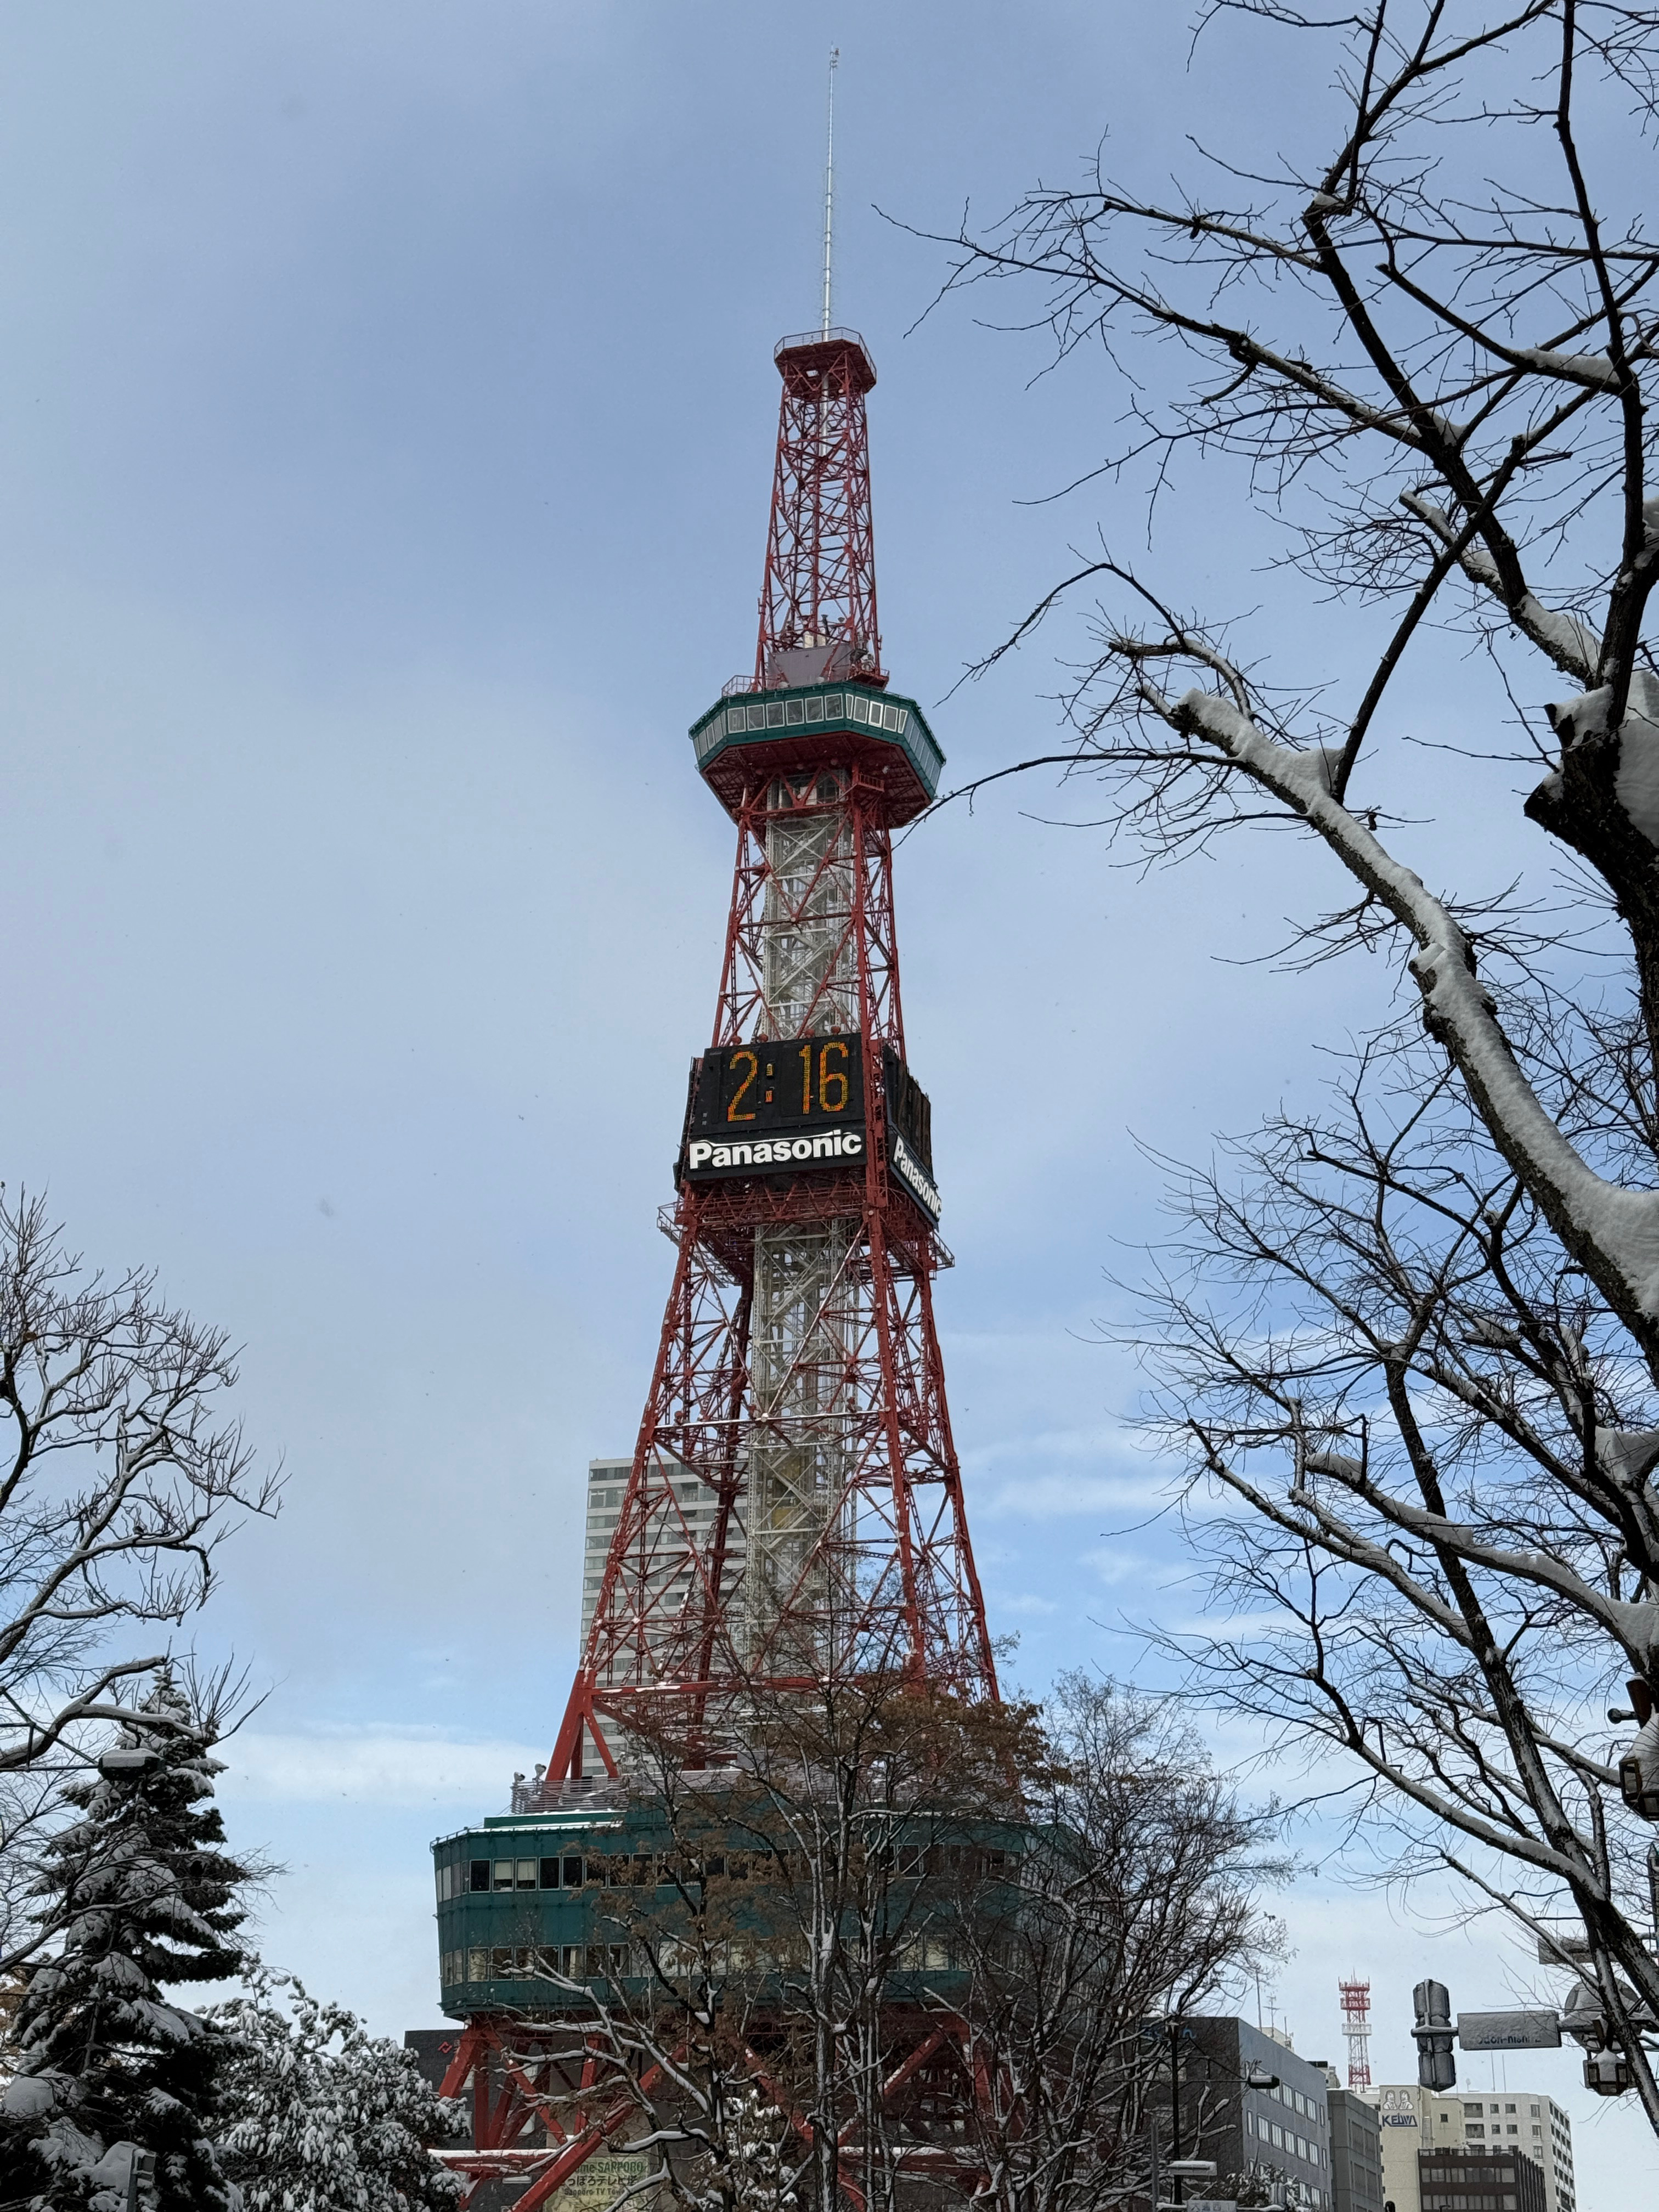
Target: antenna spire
[829, 188]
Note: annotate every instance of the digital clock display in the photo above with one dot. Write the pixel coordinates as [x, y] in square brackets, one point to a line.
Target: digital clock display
[795, 1083]
[795, 1105]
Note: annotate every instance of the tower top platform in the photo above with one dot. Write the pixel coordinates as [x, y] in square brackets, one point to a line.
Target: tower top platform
[750, 737]
[805, 358]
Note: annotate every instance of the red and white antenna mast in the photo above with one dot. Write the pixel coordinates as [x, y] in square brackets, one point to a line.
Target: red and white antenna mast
[818, 605]
[1357, 2029]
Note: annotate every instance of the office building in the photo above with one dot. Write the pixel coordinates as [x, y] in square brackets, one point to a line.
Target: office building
[1250, 2104]
[1417, 2124]
[1526, 2120]
[1356, 2142]
[1480, 2181]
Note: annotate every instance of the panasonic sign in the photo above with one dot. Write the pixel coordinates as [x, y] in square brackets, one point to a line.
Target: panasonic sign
[915, 1177]
[703, 1153]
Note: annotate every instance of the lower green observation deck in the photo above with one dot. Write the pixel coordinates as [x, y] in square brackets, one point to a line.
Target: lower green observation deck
[596, 1897]
[747, 739]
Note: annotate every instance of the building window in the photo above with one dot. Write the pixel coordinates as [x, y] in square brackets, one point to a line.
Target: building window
[478, 1876]
[504, 1874]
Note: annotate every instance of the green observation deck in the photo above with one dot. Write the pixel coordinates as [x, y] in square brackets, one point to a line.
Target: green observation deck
[756, 735]
[603, 1899]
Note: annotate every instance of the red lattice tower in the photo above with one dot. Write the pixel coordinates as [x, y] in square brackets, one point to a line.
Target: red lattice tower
[1356, 1997]
[818, 608]
[795, 1510]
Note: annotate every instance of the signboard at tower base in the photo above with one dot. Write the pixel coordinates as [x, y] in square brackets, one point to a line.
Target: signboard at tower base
[596, 2186]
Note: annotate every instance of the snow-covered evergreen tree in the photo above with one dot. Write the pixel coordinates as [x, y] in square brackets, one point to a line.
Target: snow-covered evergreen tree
[743, 2170]
[320, 2115]
[138, 1895]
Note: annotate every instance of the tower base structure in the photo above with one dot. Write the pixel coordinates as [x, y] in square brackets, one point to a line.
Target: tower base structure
[556, 1935]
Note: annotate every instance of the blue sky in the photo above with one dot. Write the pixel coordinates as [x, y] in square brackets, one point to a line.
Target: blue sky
[385, 415]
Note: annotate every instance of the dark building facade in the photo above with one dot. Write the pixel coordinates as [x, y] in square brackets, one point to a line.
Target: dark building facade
[1480, 2181]
[1250, 2104]
[1356, 2152]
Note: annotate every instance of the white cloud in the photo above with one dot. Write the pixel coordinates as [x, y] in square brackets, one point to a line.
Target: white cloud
[1057, 1497]
[383, 1766]
[1122, 1566]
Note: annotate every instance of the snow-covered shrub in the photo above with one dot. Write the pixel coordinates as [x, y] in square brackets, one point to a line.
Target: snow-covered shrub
[318, 2115]
[743, 2170]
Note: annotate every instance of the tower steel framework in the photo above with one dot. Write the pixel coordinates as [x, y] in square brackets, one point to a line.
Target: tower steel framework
[818, 594]
[793, 1512]
[798, 1381]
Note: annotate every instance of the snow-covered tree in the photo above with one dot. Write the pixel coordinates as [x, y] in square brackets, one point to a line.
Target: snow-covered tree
[136, 1895]
[1085, 1871]
[318, 2115]
[119, 1477]
[1410, 1348]
[744, 2169]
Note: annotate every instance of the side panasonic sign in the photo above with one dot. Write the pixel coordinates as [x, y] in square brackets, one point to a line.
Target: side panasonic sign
[915, 1177]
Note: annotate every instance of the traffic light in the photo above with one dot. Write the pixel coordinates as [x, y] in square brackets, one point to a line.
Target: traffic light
[1436, 2066]
[1608, 2072]
[1639, 1770]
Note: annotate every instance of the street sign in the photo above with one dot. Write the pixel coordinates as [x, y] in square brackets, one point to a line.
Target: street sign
[1509, 2031]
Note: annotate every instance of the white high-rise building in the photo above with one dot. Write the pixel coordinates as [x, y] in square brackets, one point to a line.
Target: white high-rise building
[1413, 2119]
[607, 1480]
[1525, 2119]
